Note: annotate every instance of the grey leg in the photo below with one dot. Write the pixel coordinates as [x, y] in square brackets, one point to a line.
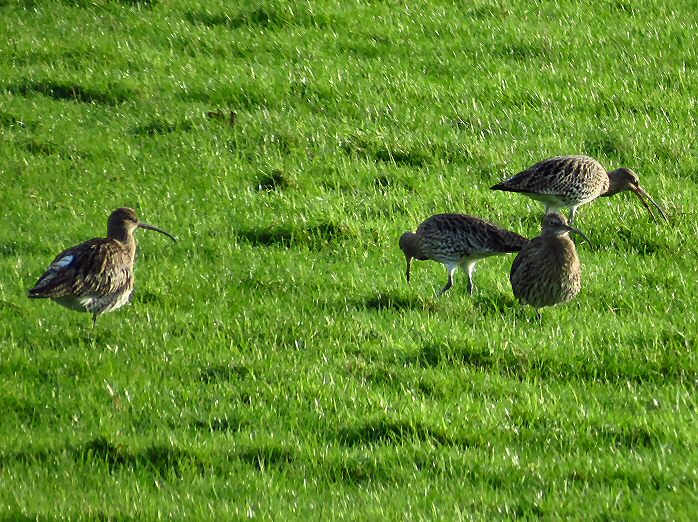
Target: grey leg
[573, 213]
[449, 283]
[471, 270]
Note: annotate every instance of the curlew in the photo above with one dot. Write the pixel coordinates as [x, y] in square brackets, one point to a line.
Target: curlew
[571, 181]
[96, 276]
[547, 270]
[457, 240]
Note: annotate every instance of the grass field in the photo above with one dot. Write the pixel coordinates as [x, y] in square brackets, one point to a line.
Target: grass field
[274, 364]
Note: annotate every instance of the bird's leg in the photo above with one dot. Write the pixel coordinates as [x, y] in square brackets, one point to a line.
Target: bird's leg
[539, 317]
[471, 269]
[409, 262]
[94, 319]
[573, 213]
[450, 269]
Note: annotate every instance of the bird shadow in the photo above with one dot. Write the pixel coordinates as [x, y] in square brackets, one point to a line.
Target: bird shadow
[383, 301]
[497, 305]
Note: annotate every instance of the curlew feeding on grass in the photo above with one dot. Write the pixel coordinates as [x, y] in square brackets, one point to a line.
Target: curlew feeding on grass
[571, 181]
[457, 240]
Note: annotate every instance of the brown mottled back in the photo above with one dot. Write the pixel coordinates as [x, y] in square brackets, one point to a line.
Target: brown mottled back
[97, 267]
[573, 180]
[458, 240]
[547, 271]
[450, 237]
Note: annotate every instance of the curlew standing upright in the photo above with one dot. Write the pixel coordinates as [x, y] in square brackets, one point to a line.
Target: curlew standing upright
[571, 181]
[547, 270]
[96, 276]
[457, 240]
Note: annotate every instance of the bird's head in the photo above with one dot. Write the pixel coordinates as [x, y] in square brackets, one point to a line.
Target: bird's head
[409, 247]
[625, 179]
[123, 221]
[555, 224]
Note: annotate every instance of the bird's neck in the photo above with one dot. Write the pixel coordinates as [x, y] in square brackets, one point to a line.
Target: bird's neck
[614, 185]
[410, 245]
[561, 247]
[122, 235]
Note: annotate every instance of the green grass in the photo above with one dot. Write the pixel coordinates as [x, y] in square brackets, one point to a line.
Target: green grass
[274, 364]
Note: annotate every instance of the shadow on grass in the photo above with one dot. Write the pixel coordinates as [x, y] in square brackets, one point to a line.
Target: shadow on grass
[388, 181]
[358, 470]
[626, 436]
[12, 307]
[159, 126]
[160, 459]
[61, 91]
[381, 302]
[632, 241]
[274, 180]
[314, 236]
[378, 152]
[523, 51]
[389, 431]
[223, 373]
[262, 16]
[498, 304]
[265, 456]
[8, 120]
[604, 144]
[163, 460]
[606, 366]
[28, 456]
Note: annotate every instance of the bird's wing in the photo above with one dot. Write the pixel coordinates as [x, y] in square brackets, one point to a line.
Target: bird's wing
[96, 267]
[533, 244]
[490, 237]
[548, 174]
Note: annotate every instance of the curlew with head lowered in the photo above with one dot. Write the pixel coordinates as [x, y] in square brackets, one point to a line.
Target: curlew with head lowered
[458, 240]
[571, 181]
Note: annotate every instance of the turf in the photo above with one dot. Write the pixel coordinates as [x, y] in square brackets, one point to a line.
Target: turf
[274, 364]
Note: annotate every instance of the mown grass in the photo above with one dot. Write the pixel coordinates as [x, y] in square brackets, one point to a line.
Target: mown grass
[274, 364]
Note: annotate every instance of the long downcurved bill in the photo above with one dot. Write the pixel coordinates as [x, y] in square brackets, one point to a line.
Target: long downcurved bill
[579, 232]
[151, 227]
[642, 194]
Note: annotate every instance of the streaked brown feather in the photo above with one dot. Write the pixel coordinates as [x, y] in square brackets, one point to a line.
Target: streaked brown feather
[547, 271]
[458, 240]
[561, 182]
[99, 267]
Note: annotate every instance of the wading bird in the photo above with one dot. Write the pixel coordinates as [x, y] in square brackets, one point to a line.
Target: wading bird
[457, 240]
[571, 181]
[547, 270]
[96, 276]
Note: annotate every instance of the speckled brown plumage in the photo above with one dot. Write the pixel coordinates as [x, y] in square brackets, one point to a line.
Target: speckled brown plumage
[458, 240]
[571, 181]
[97, 275]
[547, 271]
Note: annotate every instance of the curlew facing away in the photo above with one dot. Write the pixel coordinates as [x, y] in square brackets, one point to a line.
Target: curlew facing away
[571, 181]
[96, 276]
[457, 240]
[547, 270]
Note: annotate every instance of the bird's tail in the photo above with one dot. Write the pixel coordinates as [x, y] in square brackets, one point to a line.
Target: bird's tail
[511, 241]
[37, 293]
[507, 187]
[49, 285]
